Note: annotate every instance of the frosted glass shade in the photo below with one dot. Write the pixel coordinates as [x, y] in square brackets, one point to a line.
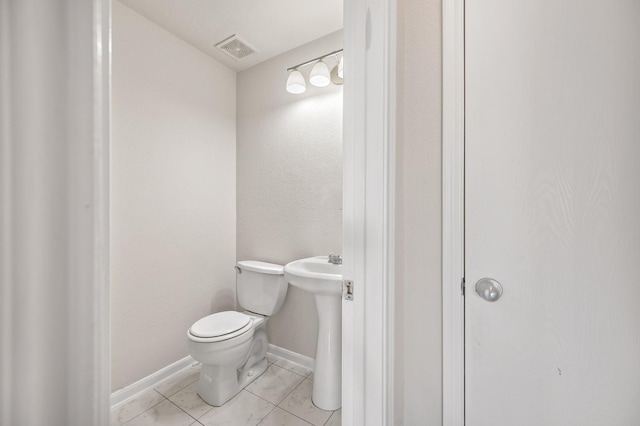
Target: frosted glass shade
[340, 72]
[296, 83]
[320, 76]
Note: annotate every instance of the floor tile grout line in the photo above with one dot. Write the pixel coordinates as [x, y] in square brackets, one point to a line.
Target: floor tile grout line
[296, 373]
[153, 406]
[286, 361]
[180, 408]
[292, 391]
[288, 369]
[314, 405]
[267, 415]
[291, 371]
[334, 412]
[296, 416]
[288, 412]
[182, 388]
[275, 405]
[196, 419]
[211, 407]
[287, 396]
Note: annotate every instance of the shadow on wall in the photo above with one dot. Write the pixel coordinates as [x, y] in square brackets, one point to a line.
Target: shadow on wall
[223, 300]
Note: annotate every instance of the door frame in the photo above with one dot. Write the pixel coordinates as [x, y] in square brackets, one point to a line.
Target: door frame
[369, 187]
[453, 163]
[369, 129]
[54, 273]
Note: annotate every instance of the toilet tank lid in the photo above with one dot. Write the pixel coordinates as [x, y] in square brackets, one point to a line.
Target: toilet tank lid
[261, 267]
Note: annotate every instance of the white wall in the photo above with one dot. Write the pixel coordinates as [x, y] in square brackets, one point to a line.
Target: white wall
[418, 368]
[289, 176]
[173, 194]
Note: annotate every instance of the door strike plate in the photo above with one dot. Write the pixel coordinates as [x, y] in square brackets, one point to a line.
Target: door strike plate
[347, 289]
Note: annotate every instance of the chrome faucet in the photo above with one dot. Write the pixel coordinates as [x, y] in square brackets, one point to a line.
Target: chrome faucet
[336, 259]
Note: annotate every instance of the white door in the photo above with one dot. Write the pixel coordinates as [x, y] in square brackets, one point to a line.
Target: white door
[552, 142]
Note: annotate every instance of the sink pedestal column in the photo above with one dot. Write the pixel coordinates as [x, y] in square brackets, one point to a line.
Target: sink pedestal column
[327, 378]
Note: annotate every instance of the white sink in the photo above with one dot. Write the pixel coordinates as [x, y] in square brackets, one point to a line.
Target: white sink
[315, 275]
[324, 280]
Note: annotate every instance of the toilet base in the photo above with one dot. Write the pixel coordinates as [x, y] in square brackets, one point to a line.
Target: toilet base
[218, 384]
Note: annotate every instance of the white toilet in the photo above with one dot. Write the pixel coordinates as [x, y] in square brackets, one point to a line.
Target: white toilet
[232, 345]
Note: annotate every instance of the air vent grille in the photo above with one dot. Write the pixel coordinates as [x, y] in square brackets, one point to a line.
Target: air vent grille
[235, 47]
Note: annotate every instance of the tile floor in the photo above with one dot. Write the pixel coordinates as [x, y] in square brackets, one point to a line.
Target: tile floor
[281, 396]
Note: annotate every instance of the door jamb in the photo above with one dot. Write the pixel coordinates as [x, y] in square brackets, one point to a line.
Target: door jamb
[368, 215]
[453, 212]
[369, 167]
[69, 268]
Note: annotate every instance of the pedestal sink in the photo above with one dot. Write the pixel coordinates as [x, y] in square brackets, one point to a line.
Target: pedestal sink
[324, 280]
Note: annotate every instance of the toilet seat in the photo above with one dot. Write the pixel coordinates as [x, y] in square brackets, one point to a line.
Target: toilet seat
[220, 326]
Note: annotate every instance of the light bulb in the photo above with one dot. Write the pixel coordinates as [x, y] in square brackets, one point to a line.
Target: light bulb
[296, 83]
[340, 72]
[319, 76]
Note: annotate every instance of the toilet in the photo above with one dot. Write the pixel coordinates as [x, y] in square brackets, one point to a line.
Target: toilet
[232, 346]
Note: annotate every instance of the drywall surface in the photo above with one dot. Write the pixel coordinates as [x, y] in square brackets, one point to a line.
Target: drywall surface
[418, 386]
[289, 177]
[173, 194]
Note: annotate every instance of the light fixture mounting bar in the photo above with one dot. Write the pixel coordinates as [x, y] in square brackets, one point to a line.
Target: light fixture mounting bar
[314, 59]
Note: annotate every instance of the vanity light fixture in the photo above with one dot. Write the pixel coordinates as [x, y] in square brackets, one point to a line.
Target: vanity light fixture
[296, 83]
[320, 75]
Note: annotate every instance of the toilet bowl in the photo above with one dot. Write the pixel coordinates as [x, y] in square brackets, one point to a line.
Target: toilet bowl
[232, 346]
[231, 358]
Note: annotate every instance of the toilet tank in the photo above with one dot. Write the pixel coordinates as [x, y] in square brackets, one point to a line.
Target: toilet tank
[260, 286]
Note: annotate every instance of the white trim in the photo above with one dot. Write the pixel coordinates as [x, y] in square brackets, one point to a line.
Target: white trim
[6, 241]
[296, 358]
[389, 208]
[368, 215]
[353, 211]
[122, 396]
[453, 212]
[54, 216]
[102, 201]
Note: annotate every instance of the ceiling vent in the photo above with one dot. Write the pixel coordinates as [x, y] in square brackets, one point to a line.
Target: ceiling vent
[235, 47]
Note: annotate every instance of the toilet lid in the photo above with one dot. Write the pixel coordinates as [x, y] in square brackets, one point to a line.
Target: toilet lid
[220, 324]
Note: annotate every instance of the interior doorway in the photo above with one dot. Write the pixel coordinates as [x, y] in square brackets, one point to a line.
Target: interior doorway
[75, 312]
[370, 258]
[233, 164]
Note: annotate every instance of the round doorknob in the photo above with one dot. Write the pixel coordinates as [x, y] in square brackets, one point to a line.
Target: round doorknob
[489, 289]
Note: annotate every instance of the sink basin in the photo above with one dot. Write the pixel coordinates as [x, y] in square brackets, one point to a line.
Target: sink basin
[324, 280]
[315, 275]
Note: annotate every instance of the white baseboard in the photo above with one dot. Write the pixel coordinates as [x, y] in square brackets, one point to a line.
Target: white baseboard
[305, 361]
[123, 395]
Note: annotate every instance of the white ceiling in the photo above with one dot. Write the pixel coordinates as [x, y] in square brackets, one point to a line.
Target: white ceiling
[271, 27]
